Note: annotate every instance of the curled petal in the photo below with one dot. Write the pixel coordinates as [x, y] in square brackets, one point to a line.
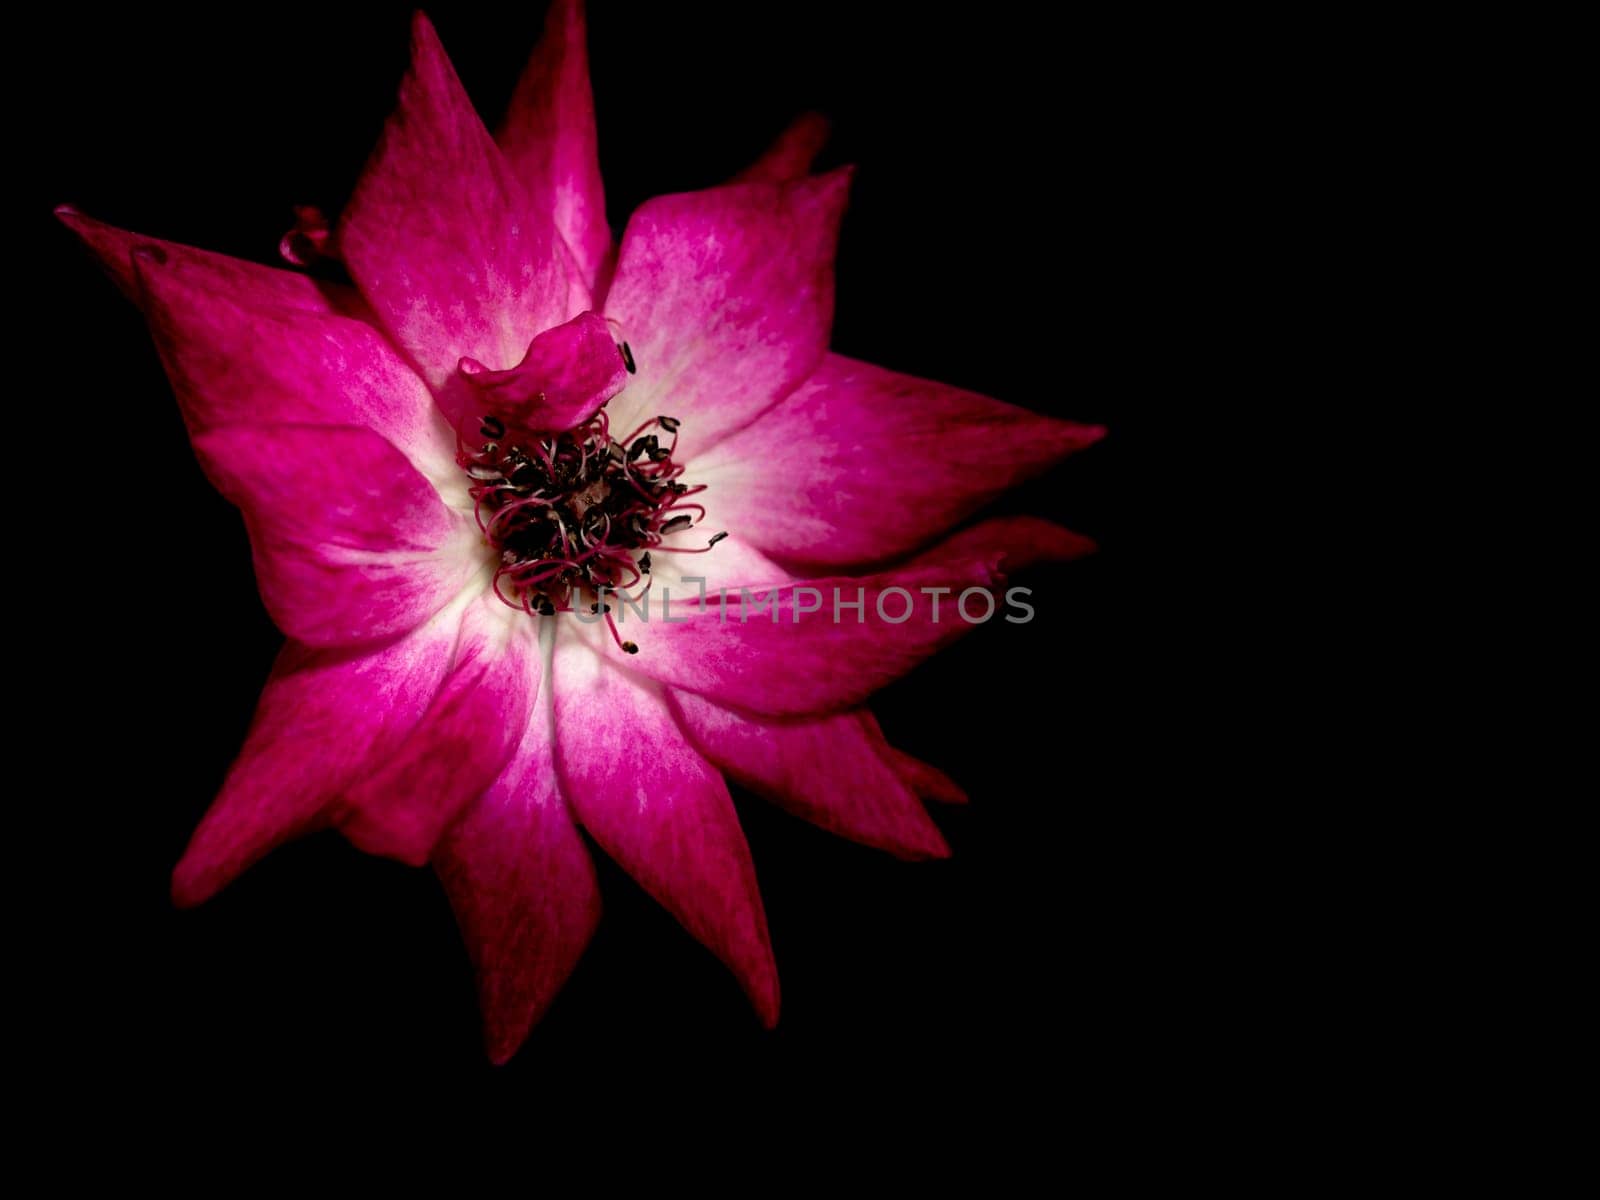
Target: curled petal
[351, 544]
[566, 375]
[661, 811]
[726, 297]
[861, 465]
[311, 239]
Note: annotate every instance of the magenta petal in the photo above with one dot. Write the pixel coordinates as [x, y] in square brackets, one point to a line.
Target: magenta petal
[785, 654]
[523, 888]
[925, 781]
[457, 749]
[567, 374]
[826, 770]
[726, 298]
[928, 782]
[1018, 542]
[236, 356]
[791, 155]
[438, 235]
[661, 811]
[251, 282]
[548, 138]
[351, 543]
[861, 464]
[324, 717]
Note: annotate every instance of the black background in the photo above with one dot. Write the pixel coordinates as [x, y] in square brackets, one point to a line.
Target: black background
[1008, 232]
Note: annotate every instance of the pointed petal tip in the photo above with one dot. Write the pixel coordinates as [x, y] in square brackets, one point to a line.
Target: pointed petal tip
[189, 888]
[767, 1005]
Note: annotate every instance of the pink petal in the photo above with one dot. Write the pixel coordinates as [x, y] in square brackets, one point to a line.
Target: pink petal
[1020, 542]
[827, 770]
[523, 889]
[460, 745]
[351, 543]
[661, 811]
[567, 374]
[237, 356]
[788, 656]
[548, 138]
[791, 155]
[926, 781]
[861, 464]
[438, 235]
[323, 718]
[726, 298]
[218, 273]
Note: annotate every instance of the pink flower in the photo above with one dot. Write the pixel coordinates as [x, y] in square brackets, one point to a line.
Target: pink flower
[455, 473]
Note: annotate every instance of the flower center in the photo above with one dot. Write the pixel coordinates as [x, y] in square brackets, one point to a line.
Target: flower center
[576, 515]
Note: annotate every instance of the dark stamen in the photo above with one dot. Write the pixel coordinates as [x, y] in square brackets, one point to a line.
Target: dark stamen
[568, 513]
[627, 359]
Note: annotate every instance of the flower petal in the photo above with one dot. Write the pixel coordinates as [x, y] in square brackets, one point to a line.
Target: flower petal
[925, 780]
[548, 138]
[861, 465]
[236, 356]
[457, 749]
[438, 235]
[523, 889]
[826, 770]
[661, 811]
[567, 374]
[798, 650]
[790, 156]
[726, 298]
[323, 719]
[1019, 542]
[248, 281]
[351, 543]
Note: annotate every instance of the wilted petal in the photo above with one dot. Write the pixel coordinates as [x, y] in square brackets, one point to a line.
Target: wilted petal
[523, 889]
[826, 770]
[548, 138]
[861, 465]
[325, 718]
[438, 235]
[351, 543]
[726, 298]
[661, 811]
[457, 749]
